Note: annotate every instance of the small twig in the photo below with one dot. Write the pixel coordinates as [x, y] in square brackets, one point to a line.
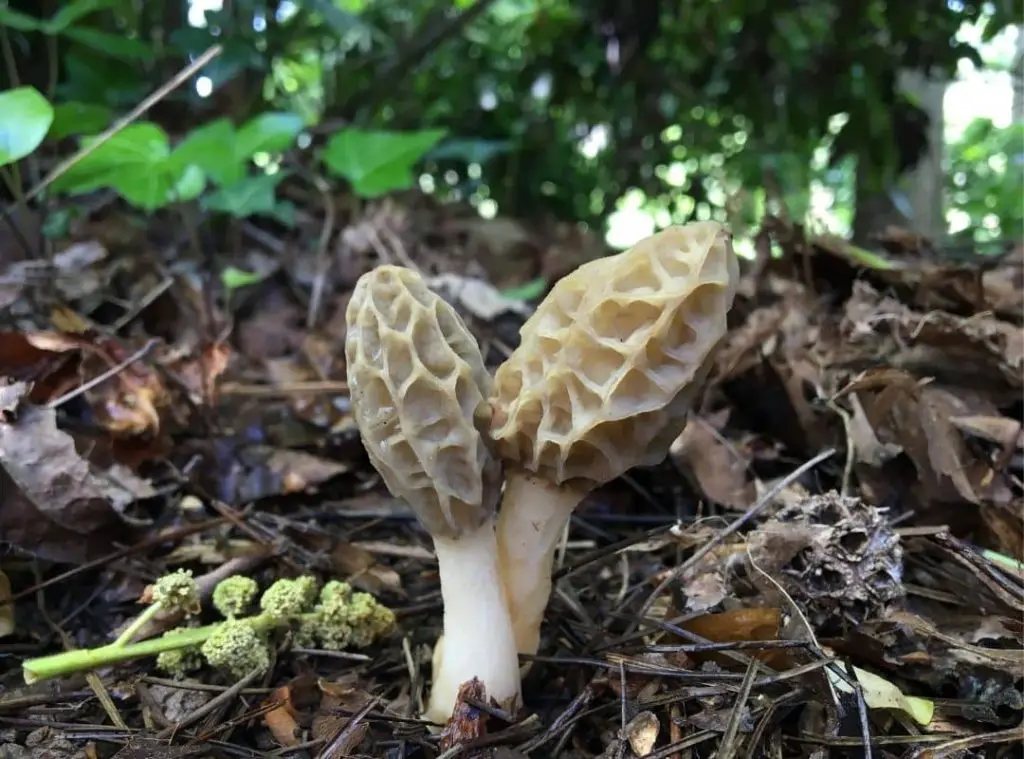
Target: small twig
[140, 353]
[342, 738]
[322, 258]
[727, 746]
[283, 389]
[139, 307]
[209, 706]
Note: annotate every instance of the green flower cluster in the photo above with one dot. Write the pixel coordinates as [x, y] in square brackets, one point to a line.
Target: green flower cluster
[333, 617]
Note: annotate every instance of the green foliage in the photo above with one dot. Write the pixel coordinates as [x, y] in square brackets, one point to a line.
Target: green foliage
[985, 180]
[137, 163]
[140, 164]
[246, 197]
[376, 163]
[540, 107]
[25, 118]
[74, 119]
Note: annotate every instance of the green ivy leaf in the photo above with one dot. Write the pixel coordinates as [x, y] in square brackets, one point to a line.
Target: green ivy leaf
[20, 21]
[75, 118]
[114, 45]
[375, 163]
[134, 162]
[267, 133]
[25, 118]
[253, 195]
[72, 12]
[210, 148]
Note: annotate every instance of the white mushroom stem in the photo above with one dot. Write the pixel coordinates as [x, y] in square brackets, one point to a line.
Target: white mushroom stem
[533, 515]
[478, 639]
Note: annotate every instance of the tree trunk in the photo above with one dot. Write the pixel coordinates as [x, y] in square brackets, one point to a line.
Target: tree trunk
[921, 189]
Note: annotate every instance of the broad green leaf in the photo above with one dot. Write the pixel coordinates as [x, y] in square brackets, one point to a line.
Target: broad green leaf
[146, 190]
[113, 45]
[140, 148]
[25, 118]
[376, 163]
[70, 119]
[267, 133]
[20, 21]
[211, 148]
[233, 278]
[253, 195]
[72, 12]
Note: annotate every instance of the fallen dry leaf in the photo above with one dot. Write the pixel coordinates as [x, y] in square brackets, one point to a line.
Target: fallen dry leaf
[339, 699]
[280, 716]
[719, 466]
[467, 723]
[753, 623]
[299, 471]
[55, 506]
[362, 569]
[917, 417]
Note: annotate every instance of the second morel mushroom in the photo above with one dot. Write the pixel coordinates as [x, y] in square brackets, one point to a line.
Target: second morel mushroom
[602, 381]
[419, 392]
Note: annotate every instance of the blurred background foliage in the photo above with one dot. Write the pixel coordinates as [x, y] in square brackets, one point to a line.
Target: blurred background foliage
[564, 110]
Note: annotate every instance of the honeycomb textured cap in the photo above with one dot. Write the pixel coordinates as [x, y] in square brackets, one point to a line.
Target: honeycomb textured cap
[419, 390]
[612, 359]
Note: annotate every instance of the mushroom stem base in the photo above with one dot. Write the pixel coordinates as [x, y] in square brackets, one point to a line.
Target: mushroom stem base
[478, 640]
[533, 515]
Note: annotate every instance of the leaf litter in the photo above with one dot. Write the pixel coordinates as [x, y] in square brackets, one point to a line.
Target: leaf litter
[828, 556]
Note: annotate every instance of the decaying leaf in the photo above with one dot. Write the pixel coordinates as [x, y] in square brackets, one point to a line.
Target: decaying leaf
[467, 722]
[719, 466]
[299, 471]
[54, 505]
[917, 417]
[755, 623]
[339, 699]
[281, 717]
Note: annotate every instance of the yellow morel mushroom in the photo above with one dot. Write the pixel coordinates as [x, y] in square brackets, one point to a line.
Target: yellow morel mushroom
[602, 381]
[419, 393]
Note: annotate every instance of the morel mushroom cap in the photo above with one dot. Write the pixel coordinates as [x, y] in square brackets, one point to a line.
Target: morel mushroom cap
[418, 388]
[612, 359]
[602, 381]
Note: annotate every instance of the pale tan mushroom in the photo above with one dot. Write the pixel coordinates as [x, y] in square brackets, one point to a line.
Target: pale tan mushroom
[602, 381]
[419, 397]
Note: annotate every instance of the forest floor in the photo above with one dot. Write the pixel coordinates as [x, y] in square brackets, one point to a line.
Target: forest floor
[827, 558]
